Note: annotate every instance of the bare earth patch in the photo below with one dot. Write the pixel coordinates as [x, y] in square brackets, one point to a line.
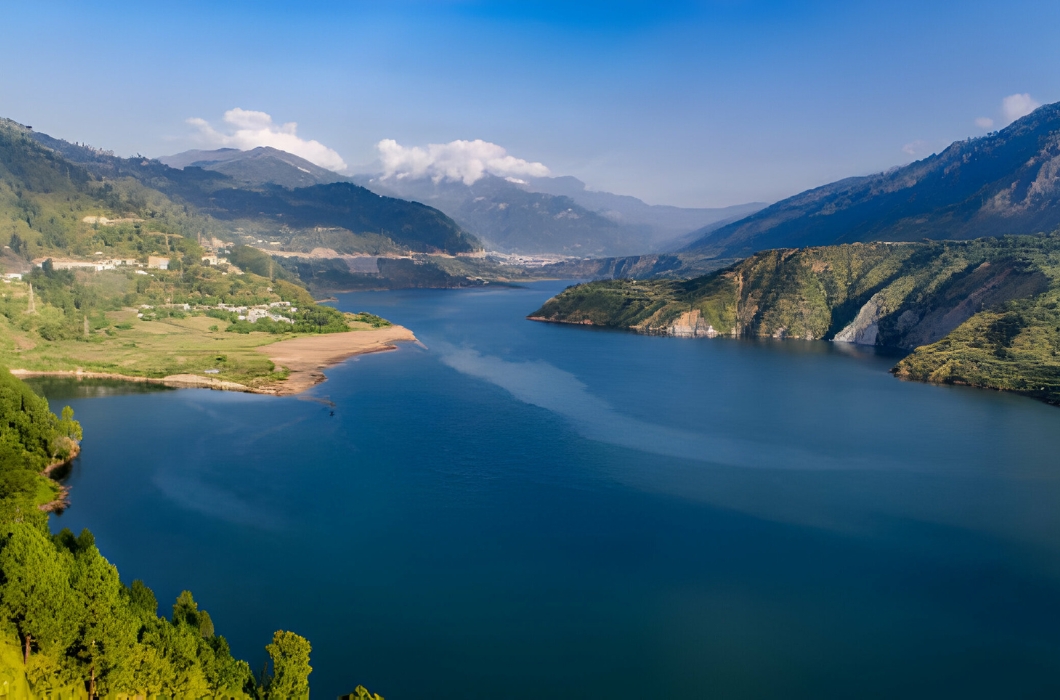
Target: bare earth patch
[304, 357]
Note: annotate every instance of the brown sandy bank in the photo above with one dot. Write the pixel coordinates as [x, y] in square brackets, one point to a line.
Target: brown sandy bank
[304, 357]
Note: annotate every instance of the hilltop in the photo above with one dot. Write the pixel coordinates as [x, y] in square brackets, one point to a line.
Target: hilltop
[259, 166]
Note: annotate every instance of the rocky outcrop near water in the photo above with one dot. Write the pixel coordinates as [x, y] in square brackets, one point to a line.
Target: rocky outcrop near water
[691, 324]
[865, 328]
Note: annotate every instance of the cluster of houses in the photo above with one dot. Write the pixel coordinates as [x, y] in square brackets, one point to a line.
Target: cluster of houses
[256, 313]
[154, 262]
[94, 265]
[243, 313]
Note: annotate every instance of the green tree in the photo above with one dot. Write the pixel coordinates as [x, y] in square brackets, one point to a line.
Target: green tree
[36, 595]
[290, 667]
[109, 627]
[68, 427]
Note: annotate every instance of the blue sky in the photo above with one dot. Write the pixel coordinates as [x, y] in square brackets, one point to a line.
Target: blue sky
[687, 103]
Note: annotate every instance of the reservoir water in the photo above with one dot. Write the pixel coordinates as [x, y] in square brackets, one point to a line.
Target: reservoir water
[524, 510]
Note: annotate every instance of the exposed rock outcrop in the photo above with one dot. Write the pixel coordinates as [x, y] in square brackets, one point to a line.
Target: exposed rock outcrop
[865, 327]
[690, 324]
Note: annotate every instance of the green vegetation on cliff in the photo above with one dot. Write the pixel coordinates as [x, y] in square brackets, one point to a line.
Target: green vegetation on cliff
[1012, 348]
[981, 312]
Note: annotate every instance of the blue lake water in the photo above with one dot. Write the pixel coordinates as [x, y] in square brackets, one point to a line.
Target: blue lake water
[518, 510]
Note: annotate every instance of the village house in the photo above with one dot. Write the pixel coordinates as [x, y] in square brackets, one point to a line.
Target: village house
[157, 263]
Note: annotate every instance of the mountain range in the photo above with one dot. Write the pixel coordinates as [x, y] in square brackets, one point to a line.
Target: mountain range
[1006, 182]
[537, 216]
[242, 198]
[557, 215]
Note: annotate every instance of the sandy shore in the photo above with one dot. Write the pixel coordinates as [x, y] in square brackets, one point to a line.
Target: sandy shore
[303, 357]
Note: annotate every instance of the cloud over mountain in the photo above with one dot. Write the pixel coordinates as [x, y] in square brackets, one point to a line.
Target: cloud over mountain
[467, 161]
[249, 129]
[1018, 105]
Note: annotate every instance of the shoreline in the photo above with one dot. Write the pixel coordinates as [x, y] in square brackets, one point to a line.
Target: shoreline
[303, 357]
[62, 499]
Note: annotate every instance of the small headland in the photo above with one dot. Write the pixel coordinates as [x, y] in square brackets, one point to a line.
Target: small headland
[55, 471]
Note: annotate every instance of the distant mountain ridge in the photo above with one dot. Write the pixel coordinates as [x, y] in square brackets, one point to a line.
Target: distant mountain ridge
[511, 219]
[550, 215]
[668, 223]
[1007, 182]
[555, 215]
[259, 166]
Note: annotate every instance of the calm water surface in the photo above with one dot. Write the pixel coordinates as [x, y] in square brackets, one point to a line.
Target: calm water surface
[519, 510]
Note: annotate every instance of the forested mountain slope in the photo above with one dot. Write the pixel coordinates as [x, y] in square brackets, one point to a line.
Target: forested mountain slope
[1007, 182]
[981, 312]
[114, 313]
[232, 203]
[44, 199]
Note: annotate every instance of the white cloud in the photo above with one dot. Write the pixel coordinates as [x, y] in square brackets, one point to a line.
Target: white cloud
[984, 123]
[1018, 105]
[466, 161]
[916, 147]
[249, 129]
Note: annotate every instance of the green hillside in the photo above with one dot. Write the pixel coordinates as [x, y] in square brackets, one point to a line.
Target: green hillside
[981, 312]
[232, 205]
[131, 320]
[44, 199]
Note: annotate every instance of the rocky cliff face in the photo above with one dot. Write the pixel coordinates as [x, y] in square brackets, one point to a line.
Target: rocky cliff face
[865, 328]
[691, 324]
[902, 315]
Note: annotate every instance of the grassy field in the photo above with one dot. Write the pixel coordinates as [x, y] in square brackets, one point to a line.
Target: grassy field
[124, 344]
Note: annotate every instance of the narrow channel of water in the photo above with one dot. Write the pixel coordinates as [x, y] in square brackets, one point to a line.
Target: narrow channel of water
[520, 509]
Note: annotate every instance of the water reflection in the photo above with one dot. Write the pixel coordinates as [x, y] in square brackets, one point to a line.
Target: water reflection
[60, 388]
